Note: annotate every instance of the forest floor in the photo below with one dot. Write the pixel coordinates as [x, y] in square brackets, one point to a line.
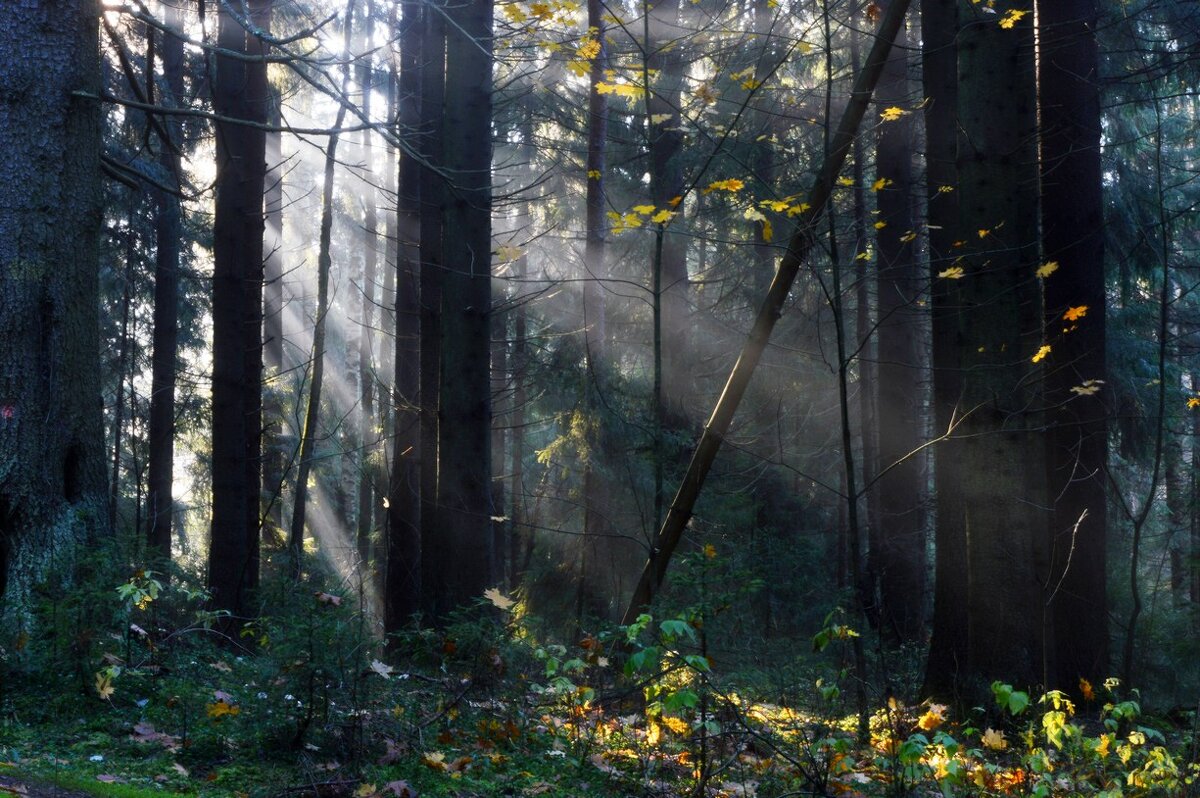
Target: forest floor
[308, 704]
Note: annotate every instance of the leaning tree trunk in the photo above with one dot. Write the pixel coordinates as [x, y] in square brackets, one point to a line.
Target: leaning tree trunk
[239, 92]
[51, 439]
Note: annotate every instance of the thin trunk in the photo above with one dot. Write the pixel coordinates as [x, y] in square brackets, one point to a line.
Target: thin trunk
[317, 377]
[274, 454]
[431, 190]
[900, 562]
[939, 71]
[168, 233]
[368, 437]
[118, 423]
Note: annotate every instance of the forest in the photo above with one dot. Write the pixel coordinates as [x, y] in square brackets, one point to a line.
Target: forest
[568, 398]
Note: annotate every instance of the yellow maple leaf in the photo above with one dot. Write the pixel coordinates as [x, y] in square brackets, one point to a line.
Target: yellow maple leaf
[498, 599]
[731, 185]
[845, 181]
[104, 685]
[880, 184]
[892, 114]
[541, 10]
[1076, 313]
[1193, 402]
[909, 236]
[779, 206]
[589, 49]
[984, 233]
[660, 119]
[644, 210]
[768, 232]
[945, 189]
[506, 253]
[750, 84]
[994, 740]
[222, 708]
[674, 201]
[662, 217]
[514, 13]
[1010, 19]
[953, 273]
[1102, 746]
[880, 225]
[710, 551]
[1041, 353]
[593, 174]
[796, 210]
[1046, 269]
[934, 717]
[578, 68]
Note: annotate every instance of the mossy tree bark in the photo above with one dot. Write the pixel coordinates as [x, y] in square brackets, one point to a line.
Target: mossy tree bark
[52, 482]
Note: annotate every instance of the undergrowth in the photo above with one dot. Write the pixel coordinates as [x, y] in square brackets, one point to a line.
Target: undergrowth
[123, 687]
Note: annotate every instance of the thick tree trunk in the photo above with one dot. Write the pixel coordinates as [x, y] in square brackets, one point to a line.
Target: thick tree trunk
[997, 509]
[403, 591]
[52, 483]
[900, 561]
[168, 234]
[1072, 235]
[239, 92]
[466, 555]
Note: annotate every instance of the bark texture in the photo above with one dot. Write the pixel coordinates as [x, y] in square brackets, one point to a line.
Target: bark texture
[52, 486]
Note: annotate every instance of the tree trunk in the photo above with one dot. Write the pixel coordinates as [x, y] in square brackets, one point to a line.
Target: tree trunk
[900, 562]
[275, 457]
[403, 592]
[939, 71]
[1073, 236]
[368, 438]
[431, 190]
[239, 92]
[168, 233]
[312, 413]
[998, 507]
[464, 398]
[52, 483]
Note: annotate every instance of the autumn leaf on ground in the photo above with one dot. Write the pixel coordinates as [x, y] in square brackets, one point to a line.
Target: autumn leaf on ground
[434, 760]
[935, 716]
[892, 114]
[994, 740]
[498, 599]
[220, 709]
[383, 669]
[1075, 314]
[104, 685]
[400, 789]
[1046, 269]
[1041, 353]
[364, 791]
[393, 753]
